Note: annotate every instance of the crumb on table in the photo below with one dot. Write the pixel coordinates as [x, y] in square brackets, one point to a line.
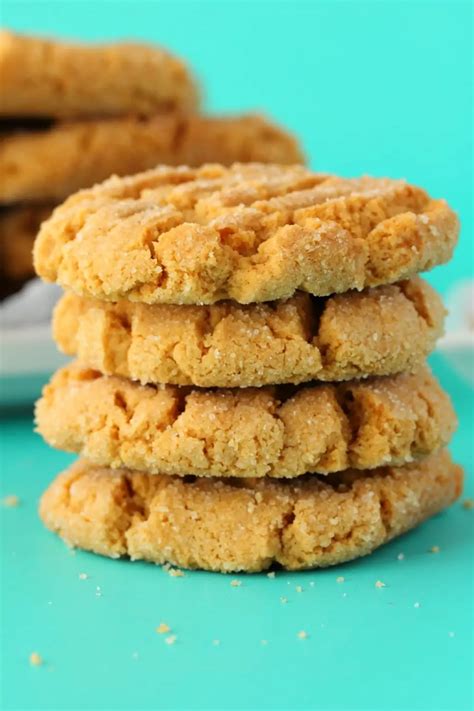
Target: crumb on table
[11, 501]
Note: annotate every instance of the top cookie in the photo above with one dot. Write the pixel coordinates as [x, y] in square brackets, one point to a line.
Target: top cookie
[42, 77]
[249, 233]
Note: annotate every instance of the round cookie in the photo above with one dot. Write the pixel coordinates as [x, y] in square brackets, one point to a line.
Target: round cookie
[51, 164]
[243, 525]
[18, 229]
[381, 331]
[249, 233]
[272, 432]
[45, 77]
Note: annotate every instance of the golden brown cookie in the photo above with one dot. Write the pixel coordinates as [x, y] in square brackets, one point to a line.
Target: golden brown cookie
[250, 233]
[51, 164]
[381, 331]
[18, 229]
[276, 432]
[232, 525]
[46, 77]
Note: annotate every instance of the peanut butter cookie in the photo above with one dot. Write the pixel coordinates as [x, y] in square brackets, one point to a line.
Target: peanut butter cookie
[250, 233]
[46, 77]
[245, 525]
[52, 164]
[274, 432]
[18, 229]
[380, 331]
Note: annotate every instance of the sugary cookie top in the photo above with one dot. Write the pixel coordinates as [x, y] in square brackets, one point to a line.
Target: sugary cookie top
[249, 232]
[45, 77]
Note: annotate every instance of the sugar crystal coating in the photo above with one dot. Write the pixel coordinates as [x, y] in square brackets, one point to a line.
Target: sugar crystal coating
[381, 331]
[198, 523]
[250, 233]
[254, 432]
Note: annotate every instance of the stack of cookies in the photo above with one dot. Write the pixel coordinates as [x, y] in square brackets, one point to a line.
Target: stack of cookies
[72, 115]
[250, 386]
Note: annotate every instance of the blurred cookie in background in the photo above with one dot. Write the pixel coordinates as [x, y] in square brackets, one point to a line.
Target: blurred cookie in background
[53, 78]
[47, 164]
[18, 229]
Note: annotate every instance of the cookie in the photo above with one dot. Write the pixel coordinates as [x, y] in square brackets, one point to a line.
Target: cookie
[44, 77]
[18, 229]
[275, 432]
[51, 164]
[381, 331]
[245, 525]
[249, 233]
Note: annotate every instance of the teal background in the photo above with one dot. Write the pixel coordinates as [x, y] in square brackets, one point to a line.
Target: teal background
[371, 87]
[379, 87]
[370, 650]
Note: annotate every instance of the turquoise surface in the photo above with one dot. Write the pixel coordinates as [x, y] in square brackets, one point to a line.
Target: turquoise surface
[371, 87]
[367, 649]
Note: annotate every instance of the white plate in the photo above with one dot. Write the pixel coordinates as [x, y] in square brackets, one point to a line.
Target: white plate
[457, 346]
[28, 356]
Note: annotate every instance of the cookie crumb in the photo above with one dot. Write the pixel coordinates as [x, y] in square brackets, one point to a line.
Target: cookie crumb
[83, 576]
[284, 600]
[435, 549]
[271, 574]
[235, 583]
[340, 579]
[302, 635]
[11, 501]
[401, 556]
[468, 504]
[299, 589]
[36, 659]
[171, 639]
[380, 584]
[163, 628]
[175, 573]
